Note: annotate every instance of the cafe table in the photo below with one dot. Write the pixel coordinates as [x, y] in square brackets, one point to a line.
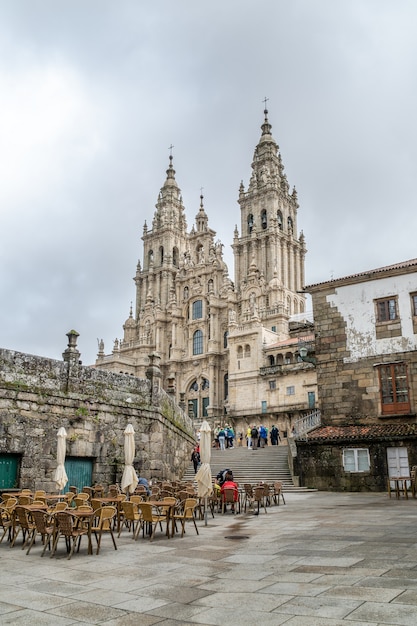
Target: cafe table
[168, 509]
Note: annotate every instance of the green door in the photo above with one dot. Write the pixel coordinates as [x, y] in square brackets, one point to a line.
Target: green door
[79, 471]
[9, 470]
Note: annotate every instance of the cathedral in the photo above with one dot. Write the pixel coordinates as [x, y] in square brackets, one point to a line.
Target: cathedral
[228, 350]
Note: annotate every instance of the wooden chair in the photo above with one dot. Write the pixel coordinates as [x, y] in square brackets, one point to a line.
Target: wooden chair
[136, 499]
[98, 491]
[44, 528]
[150, 519]
[79, 501]
[277, 493]
[187, 515]
[104, 525]
[67, 527]
[39, 494]
[59, 506]
[25, 500]
[89, 491]
[131, 516]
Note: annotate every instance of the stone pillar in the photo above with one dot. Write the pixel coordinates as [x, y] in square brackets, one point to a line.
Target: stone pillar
[71, 357]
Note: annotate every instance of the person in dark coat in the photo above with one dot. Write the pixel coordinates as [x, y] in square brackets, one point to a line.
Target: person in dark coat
[195, 457]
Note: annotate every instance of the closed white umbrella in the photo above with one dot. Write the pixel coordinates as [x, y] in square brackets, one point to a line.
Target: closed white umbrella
[60, 475]
[129, 478]
[203, 476]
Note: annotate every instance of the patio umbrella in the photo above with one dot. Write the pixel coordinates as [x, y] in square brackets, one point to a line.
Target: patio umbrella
[129, 478]
[60, 476]
[203, 476]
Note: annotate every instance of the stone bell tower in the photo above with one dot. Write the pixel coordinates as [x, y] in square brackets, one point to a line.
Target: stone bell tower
[269, 254]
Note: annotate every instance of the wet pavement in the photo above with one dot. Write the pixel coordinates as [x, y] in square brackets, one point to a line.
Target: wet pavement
[322, 559]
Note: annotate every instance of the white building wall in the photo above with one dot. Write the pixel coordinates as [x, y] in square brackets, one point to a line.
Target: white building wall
[356, 305]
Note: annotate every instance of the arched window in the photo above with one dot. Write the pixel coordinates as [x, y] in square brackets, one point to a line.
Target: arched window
[279, 359]
[198, 342]
[264, 220]
[175, 257]
[271, 359]
[247, 350]
[205, 384]
[239, 352]
[194, 386]
[279, 219]
[288, 358]
[225, 337]
[250, 222]
[197, 313]
[161, 254]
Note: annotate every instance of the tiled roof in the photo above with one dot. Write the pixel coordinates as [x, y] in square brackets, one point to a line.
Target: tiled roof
[369, 274]
[371, 431]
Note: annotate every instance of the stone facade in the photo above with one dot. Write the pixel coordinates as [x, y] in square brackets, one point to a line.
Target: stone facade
[366, 357]
[38, 396]
[212, 334]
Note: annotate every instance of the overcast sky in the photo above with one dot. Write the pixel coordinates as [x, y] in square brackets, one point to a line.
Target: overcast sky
[93, 93]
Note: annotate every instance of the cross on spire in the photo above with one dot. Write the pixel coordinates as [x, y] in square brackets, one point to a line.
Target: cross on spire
[265, 100]
[170, 151]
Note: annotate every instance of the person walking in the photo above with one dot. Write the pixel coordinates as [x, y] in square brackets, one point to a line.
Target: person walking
[195, 457]
[254, 436]
[249, 437]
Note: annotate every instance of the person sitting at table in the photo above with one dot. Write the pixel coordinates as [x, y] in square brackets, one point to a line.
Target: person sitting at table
[230, 484]
[144, 482]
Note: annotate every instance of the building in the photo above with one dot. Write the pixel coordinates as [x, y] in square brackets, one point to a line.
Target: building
[215, 336]
[366, 362]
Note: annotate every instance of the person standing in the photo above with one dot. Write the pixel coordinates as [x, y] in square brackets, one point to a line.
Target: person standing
[249, 437]
[195, 457]
[254, 436]
[274, 436]
[221, 435]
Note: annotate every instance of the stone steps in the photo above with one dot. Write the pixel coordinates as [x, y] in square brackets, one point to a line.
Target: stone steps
[252, 466]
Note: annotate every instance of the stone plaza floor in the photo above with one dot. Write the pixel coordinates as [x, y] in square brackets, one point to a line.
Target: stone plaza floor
[323, 559]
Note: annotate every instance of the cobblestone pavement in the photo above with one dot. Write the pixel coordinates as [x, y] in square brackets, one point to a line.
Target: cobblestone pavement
[323, 559]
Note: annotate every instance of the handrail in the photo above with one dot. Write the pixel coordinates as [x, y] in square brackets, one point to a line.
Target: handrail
[307, 423]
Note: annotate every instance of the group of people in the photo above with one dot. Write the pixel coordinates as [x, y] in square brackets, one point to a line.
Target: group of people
[257, 436]
[224, 437]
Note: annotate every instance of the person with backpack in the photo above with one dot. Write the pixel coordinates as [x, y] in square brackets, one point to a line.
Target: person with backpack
[221, 435]
[254, 436]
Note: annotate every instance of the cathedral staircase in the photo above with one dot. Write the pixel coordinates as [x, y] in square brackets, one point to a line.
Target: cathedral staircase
[252, 466]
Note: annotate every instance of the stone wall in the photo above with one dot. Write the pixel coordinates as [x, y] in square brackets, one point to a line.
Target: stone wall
[38, 396]
[320, 465]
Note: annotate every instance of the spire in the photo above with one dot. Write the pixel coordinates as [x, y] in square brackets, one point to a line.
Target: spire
[266, 126]
[201, 218]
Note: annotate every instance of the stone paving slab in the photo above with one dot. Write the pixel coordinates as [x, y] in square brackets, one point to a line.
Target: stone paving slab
[323, 559]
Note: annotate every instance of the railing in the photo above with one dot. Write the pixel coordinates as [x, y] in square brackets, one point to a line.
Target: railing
[307, 423]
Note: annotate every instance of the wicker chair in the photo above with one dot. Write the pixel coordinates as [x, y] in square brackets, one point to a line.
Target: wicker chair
[150, 519]
[104, 525]
[6, 524]
[24, 525]
[67, 527]
[277, 493]
[230, 496]
[44, 528]
[131, 516]
[187, 515]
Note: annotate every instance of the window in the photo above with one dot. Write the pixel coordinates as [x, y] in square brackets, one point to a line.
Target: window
[205, 384]
[393, 386]
[291, 390]
[264, 220]
[356, 460]
[250, 223]
[161, 254]
[194, 386]
[198, 342]
[272, 384]
[414, 303]
[225, 337]
[193, 408]
[197, 310]
[311, 399]
[386, 310]
[247, 350]
[239, 352]
[279, 219]
[274, 329]
[263, 406]
[226, 386]
[205, 406]
[271, 359]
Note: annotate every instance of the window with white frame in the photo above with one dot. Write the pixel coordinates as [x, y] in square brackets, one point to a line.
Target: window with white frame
[291, 390]
[356, 460]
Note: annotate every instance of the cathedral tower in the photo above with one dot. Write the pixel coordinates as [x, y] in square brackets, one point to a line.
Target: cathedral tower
[269, 255]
